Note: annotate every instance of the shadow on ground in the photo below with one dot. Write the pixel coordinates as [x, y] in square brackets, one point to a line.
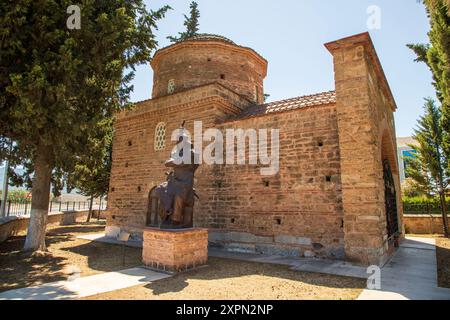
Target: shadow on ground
[243, 273]
[77, 229]
[443, 261]
[66, 256]
[19, 269]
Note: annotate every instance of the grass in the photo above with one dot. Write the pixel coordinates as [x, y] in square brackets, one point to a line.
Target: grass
[229, 279]
[67, 256]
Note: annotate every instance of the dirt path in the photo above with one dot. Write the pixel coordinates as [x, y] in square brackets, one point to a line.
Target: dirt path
[231, 279]
[69, 256]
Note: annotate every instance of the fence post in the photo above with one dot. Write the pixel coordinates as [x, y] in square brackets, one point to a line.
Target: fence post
[67, 206]
[51, 206]
[26, 207]
[9, 207]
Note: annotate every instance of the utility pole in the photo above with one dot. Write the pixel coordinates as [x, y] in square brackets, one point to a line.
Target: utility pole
[5, 186]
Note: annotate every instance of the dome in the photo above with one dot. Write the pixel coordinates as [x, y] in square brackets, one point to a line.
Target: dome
[205, 59]
[209, 37]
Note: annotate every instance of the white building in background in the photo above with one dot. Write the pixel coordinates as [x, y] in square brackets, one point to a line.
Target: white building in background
[404, 151]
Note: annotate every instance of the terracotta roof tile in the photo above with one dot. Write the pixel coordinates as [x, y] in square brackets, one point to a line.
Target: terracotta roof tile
[313, 100]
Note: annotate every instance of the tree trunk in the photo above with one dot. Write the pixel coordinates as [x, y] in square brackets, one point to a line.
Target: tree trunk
[35, 240]
[99, 208]
[91, 201]
[444, 213]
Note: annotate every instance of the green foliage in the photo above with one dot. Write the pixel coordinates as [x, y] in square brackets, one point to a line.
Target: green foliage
[92, 171]
[428, 167]
[422, 205]
[191, 23]
[17, 196]
[422, 200]
[437, 56]
[410, 188]
[57, 86]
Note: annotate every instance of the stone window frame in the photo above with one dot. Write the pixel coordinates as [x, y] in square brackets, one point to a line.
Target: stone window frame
[160, 136]
[256, 93]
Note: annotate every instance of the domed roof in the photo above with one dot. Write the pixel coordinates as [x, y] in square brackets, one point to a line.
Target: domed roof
[209, 37]
[206, 39]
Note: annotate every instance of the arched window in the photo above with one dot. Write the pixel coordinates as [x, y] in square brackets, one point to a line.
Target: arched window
[171, 86]
[160, 136]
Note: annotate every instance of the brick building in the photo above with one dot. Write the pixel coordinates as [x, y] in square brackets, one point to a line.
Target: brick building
[336, 193]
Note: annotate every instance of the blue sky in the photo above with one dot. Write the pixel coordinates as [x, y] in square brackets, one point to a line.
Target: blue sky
[290, 34]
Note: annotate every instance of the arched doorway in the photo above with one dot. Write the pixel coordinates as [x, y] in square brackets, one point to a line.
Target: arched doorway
[153, 209]
[390, 198]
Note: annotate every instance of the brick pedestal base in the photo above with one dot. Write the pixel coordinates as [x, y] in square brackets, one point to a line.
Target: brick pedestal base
[175, 250]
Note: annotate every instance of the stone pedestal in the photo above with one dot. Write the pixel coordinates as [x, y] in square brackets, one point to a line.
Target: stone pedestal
[175, 250]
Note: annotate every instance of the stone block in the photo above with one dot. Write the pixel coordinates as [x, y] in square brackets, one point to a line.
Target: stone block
[285, 239]
[268, 249]
[309, 254]
[214, 236]
[240, 247]
[112, 231]
[174, 250]
[68, 218]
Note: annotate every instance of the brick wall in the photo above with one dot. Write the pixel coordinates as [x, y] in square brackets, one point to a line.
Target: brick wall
[298, 210]
[366, 137]
[175, 250]
[137, 168]
[293, 212]
[423, 224]
[326, 200]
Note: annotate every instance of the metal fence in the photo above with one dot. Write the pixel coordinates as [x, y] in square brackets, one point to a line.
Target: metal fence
[23, 208]
[423, 208]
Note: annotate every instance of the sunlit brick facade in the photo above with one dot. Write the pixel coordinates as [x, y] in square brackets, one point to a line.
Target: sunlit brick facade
[328, 197]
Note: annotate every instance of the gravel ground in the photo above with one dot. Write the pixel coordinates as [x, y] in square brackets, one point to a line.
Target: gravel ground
[230, 279]
[66, 256]
[221, 279]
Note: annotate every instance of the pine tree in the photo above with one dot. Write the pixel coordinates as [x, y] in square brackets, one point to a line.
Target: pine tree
[437, 56]
[58, 85]
[429, 168]
[191, 23]
[92, 171]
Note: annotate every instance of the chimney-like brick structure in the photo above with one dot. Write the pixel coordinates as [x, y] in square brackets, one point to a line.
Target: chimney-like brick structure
[365, 107]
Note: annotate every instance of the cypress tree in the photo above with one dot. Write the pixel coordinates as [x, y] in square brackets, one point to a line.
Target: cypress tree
[191, 23]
